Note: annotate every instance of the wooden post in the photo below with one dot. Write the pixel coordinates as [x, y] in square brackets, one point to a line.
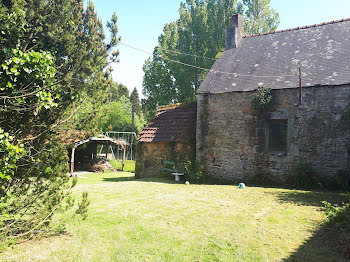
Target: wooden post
[72, 162]
[123, 164]
[132, 117]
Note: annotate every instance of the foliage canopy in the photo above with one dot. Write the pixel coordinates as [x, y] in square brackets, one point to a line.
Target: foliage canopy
[196, 38]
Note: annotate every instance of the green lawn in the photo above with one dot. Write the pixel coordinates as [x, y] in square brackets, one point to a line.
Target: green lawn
[158, 220]
[129, 165]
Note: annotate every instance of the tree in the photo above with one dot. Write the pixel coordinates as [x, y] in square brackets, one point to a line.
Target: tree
[73, 37]
[93, 113]
[96, 111]
[52, 59]
[259, 17]
[195, 39]
[135, 101]
[117, 91]
[119, 116]
[158, 86]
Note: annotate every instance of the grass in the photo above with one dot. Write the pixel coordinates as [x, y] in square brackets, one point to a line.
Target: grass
[129, 165]
[159, 220]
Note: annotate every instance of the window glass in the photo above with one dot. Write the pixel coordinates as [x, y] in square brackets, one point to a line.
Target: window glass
[278, 136]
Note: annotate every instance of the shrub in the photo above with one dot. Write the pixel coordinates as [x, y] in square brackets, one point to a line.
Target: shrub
[10, 153]
[337, 213]
[263, 178]
[192, 171]
[83, 206]
[343, 179]
[304, 176]
[262, 99]
[37, 190]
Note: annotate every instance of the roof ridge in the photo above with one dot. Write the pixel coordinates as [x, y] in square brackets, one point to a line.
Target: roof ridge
[170, 106]
[176, 105]
[300, 27]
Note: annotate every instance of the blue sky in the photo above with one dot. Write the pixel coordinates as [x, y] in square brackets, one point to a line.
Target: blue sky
[140, 23]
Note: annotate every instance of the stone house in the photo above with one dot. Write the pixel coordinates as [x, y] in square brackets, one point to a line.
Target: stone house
[308, 71]
[170, 136]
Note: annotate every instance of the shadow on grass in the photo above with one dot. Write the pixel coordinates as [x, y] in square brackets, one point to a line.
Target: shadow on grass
[331, 242]
[157, 179]
[118, 179]
[324, 244]
[311, 198]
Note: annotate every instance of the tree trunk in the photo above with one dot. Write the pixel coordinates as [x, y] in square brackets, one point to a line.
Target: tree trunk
[72, 162]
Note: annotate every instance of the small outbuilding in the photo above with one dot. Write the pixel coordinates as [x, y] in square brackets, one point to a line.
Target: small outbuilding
[170, 136]
[89, 153]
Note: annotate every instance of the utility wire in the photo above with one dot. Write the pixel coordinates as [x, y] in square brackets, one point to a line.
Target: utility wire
[201, 68]
[341, 63]
[182, 53]
[177, 52]
[171, 60]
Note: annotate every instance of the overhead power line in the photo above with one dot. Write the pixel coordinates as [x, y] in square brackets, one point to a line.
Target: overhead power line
[182, 53]
[341, 63]
[171, 60]
[201, 68]
[177, 52]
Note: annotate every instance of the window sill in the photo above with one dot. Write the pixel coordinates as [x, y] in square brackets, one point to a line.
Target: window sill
[279, 154]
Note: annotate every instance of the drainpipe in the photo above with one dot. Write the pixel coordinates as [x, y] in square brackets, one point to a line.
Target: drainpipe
[300, 86]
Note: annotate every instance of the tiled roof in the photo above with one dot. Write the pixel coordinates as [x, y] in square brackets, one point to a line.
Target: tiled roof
[172, 123]
[272, 59]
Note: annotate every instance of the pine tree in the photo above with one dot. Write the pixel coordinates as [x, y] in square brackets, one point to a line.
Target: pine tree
[52, 59]
[135, 101]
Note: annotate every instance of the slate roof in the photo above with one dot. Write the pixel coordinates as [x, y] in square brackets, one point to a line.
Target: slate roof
[272, 59]
[172, 123]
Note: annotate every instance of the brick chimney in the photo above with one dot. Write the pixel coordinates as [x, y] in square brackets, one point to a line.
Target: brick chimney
[235, 32]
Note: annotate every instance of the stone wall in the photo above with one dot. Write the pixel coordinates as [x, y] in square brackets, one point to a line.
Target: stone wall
[150, 156]
[232, 136]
